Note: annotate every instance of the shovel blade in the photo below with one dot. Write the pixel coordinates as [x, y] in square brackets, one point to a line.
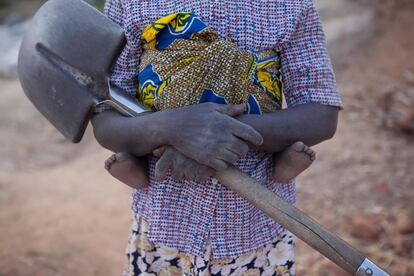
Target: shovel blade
[65, 60]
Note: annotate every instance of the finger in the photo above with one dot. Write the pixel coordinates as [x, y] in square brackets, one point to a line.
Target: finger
[203, 173]
[162, 166]
[230, 109]
[246, 133]
[229, 156]
[238, 146]
[177, 174]
[190, 173]
[159, 151]
[186, 166]
[218, 164]
[179, 165]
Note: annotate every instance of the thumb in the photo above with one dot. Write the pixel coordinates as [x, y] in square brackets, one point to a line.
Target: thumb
[231, 109]
[163, 165]
[159, 151]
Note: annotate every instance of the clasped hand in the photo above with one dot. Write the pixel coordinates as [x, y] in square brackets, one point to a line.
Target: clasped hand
[205, 138]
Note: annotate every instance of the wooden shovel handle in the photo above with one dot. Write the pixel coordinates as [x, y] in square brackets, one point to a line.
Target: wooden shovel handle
[294, 220]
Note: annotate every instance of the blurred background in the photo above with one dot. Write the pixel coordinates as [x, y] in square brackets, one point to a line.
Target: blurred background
[62, 214]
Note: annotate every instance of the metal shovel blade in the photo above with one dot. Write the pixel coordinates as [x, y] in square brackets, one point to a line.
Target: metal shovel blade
[64, 62]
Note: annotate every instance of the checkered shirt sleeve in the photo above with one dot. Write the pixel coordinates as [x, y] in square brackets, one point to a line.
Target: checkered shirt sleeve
[127, 64]
[306, 68]
[102, 107]
[125, 68]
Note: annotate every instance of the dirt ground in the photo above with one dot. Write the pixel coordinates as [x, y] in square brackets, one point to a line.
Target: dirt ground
[366, 172]
[62, 214]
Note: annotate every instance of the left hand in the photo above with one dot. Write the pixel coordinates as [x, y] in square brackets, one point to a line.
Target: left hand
[182, 167]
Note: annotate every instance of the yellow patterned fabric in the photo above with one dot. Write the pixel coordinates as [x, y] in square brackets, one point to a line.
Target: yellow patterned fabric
[176, 20]
[184, 62]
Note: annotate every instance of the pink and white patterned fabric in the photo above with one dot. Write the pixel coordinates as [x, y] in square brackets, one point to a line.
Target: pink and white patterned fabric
[186, 214]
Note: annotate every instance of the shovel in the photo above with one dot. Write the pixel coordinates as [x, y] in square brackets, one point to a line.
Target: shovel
[64, 64]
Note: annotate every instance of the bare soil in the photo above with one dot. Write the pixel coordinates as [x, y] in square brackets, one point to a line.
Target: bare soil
[62, 214]
[367, 168]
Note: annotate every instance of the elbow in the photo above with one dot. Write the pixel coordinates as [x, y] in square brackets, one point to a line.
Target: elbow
[330, 119]
[100, 131]
[330, 132]
[99, 137]
[113, 133]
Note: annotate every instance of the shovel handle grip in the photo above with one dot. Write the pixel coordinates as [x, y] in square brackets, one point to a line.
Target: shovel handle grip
[294, 220]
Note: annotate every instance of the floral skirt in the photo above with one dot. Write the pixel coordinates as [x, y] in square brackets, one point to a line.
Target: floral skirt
[147, 258]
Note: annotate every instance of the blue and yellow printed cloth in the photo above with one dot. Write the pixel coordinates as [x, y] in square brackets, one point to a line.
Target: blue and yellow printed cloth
[185, 62]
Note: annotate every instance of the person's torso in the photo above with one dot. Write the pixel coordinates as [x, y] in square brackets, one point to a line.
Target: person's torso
[254, 25]
[186, 214]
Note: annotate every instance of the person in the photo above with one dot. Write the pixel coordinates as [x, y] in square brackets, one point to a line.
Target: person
[194, 66]
[182, 227]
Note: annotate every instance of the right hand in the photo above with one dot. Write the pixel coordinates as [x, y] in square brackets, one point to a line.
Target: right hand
[208, 134]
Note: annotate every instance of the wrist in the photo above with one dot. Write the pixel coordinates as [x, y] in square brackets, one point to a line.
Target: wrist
[165, 126]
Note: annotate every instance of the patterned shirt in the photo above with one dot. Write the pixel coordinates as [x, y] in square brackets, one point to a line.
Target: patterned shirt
[187, 214]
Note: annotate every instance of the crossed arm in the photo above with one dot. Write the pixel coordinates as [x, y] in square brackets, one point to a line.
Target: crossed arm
[208, 137]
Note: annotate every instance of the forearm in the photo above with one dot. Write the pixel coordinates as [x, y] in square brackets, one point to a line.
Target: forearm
[137, 135]
[206, 133]
[309, 123]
